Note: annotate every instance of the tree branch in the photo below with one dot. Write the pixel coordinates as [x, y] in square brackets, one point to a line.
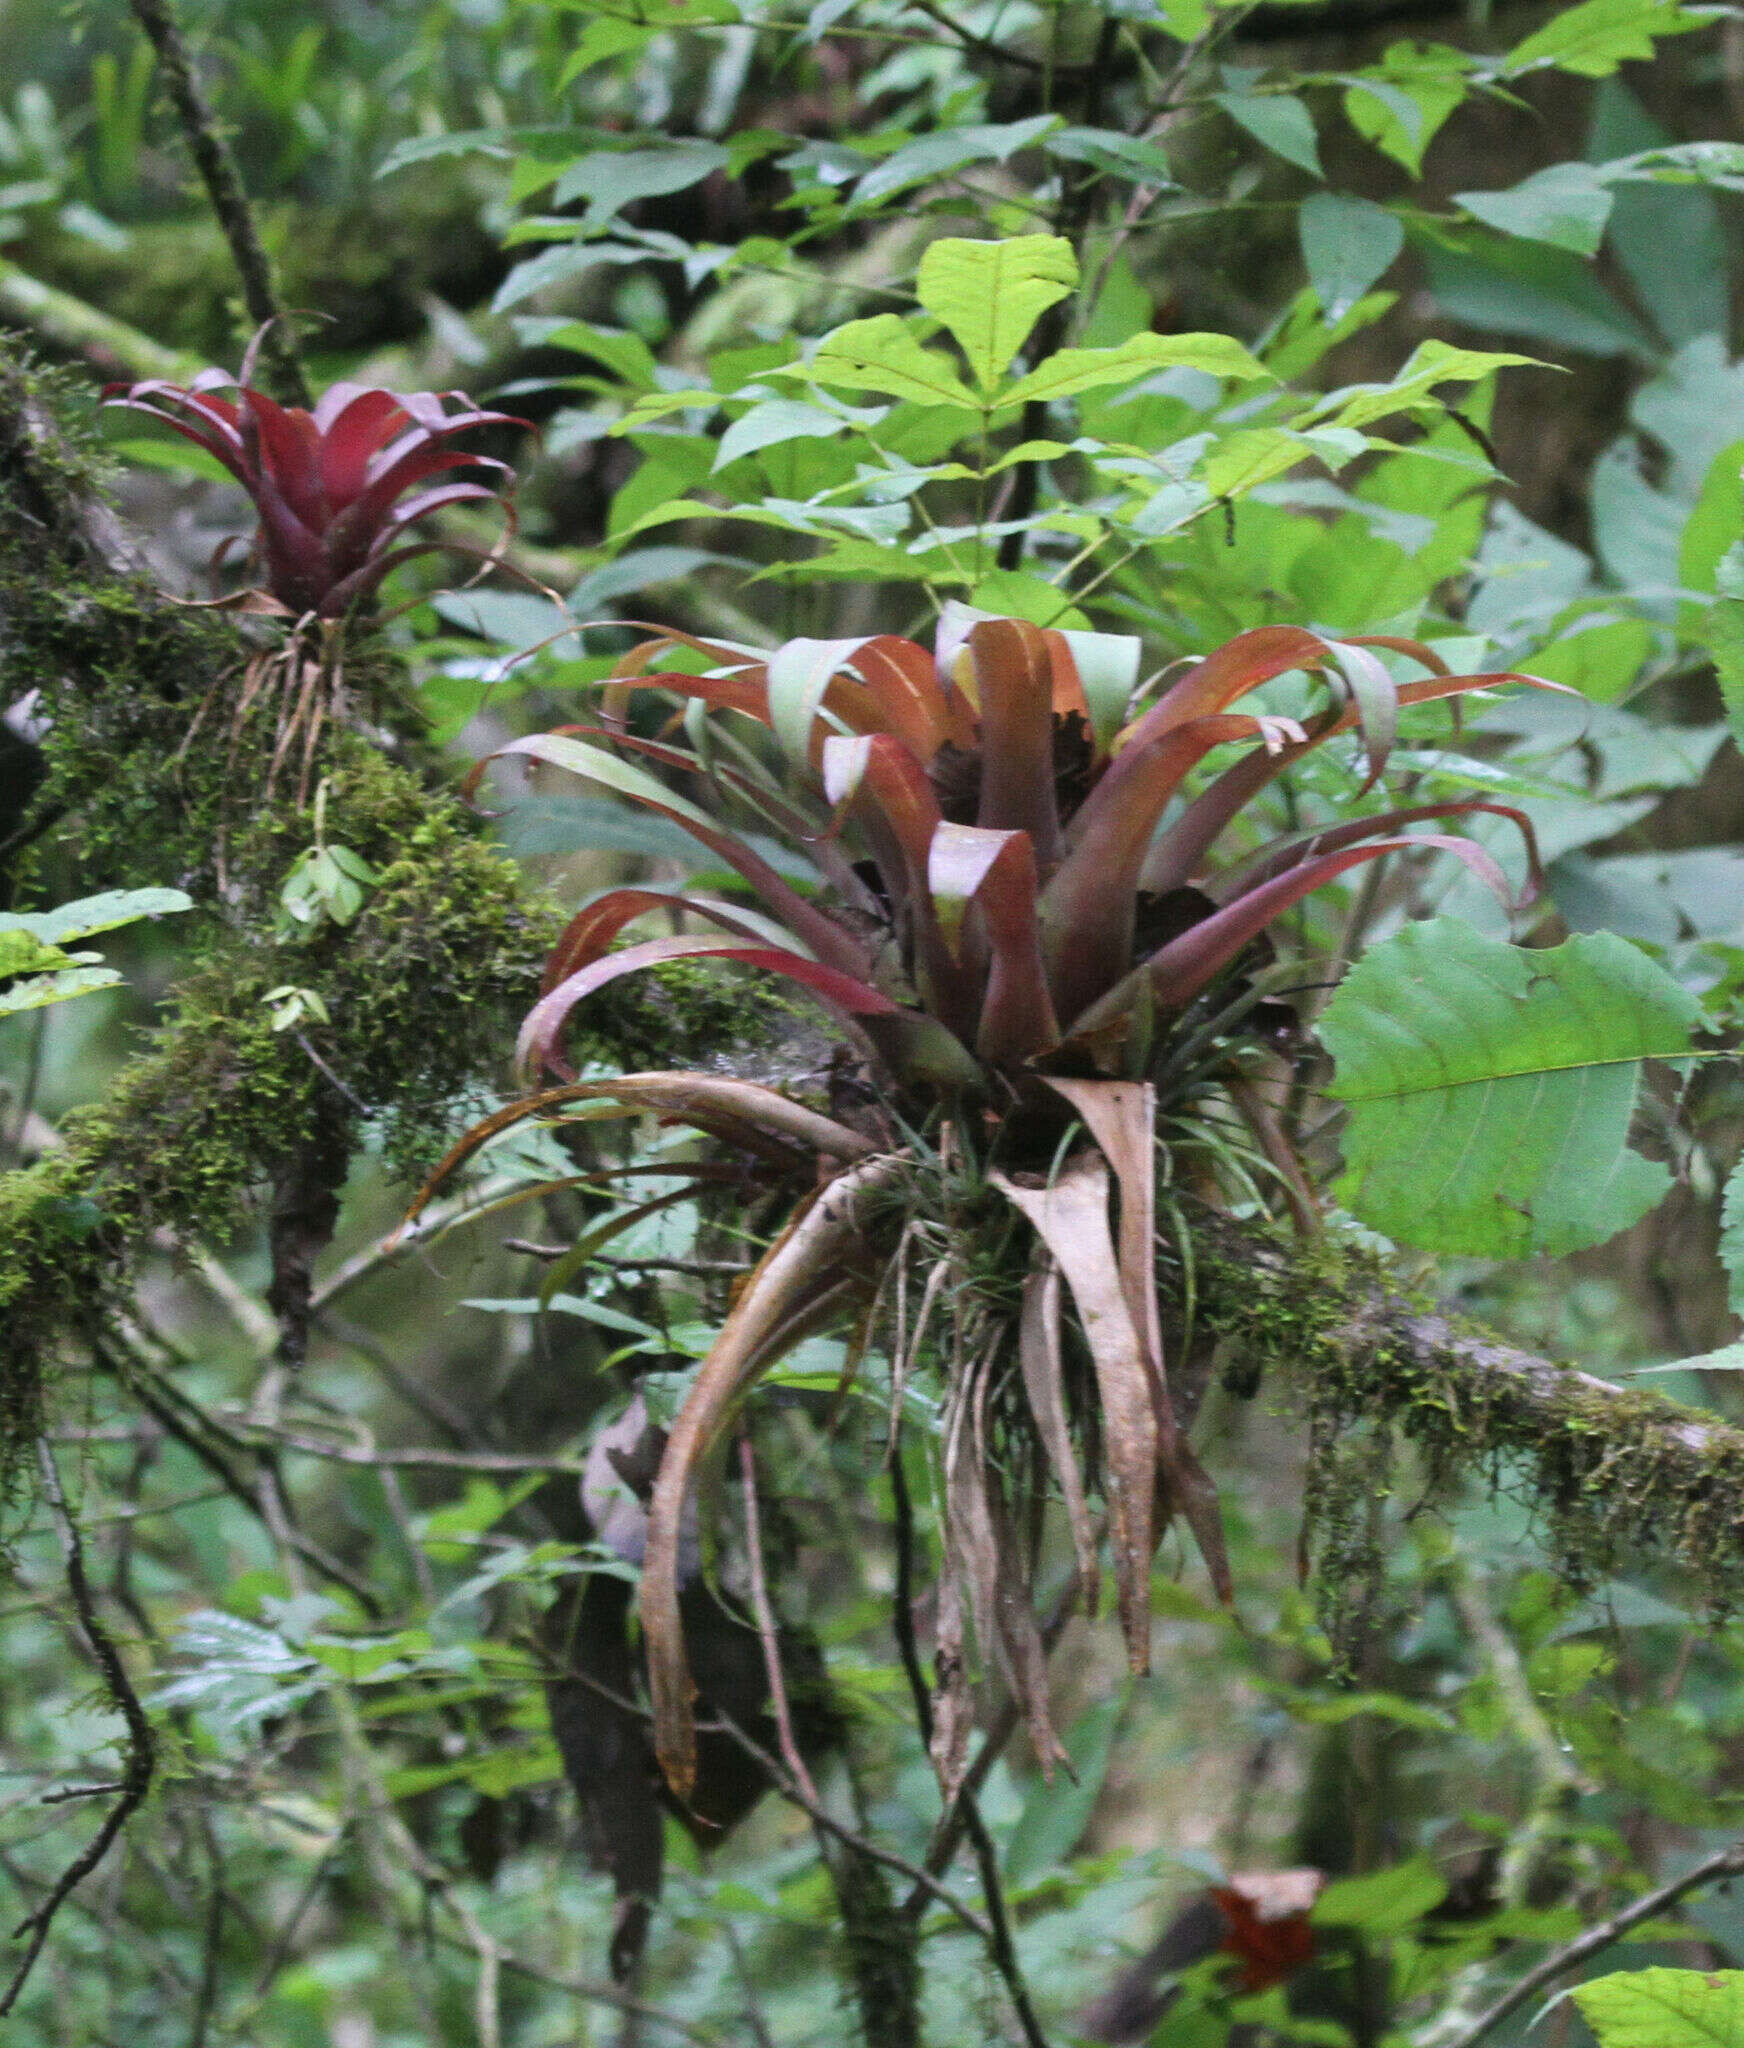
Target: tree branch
[217, 167]
[1616, 1471]
[136, 1772]
[1715, 1869]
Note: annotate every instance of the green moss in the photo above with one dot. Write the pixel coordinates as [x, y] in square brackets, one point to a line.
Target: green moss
[686, 1013]
[161, 762]
[1615, 1475]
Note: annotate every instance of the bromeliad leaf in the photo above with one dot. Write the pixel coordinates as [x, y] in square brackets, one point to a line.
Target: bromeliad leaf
[1491, 1088]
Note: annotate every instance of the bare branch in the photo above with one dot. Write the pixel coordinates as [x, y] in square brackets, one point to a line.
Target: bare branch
[1714, 1870]
[766, 1629]
[136, 1772]
[217, 167]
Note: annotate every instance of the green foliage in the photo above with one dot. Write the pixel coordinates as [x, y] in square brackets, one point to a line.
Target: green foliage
[832, 314]
[33, 945]
[1492, 1088]
[1665, 2008]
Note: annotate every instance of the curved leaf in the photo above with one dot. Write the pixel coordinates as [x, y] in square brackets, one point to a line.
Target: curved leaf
[536, 1044]
[682, 1096]
[820, 1240]
[1070, 1216]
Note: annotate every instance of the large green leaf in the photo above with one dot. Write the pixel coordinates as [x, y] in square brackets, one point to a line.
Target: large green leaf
[1665, 2008]
[1280, 120]
[1346, 244]
[1732, 1235]
[32, 945]
[1072, 370]
[1566, 204]
[1491, 1088]
[882, 354]
[37, 991]
[990, 294]
[949, 149]
[1725, 637]
[1594, 38]
[92, 914]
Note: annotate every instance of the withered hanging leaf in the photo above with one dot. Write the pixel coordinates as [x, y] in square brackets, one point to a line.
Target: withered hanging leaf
[1121, 1116]
[1070, 1214]
[803, 1264]
[988, 1558]
[953, 1704]
[1038, 1350]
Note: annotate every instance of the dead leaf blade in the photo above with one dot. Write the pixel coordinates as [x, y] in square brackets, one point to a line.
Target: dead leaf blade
[1070, 1215]
[799, 1269]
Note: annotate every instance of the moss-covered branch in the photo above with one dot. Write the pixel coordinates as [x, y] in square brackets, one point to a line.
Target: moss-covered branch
[159, 729]
[1619, 1475]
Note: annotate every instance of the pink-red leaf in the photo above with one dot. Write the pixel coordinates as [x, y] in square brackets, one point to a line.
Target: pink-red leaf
[538, 1035]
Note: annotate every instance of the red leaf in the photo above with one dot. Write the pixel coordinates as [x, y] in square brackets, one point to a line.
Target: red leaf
[997, 871]
[1183, 967]
[1283, 854]
[1088, 906]
[547, 1017]
[1013, 679]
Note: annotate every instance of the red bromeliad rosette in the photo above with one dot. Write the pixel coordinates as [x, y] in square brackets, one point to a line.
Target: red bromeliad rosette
[329, 485]
[1006, 911]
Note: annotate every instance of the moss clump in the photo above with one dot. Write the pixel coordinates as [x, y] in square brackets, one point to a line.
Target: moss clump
[686, 1013]
[158, 751]
[1615, 1474]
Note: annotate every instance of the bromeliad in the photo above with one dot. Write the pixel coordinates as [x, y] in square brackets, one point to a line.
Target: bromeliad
[329, 489]
[1019, 916]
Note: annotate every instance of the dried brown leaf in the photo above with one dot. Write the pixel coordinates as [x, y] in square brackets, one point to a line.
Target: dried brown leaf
[1038, 1350]
[1070, 1214]
[786, 1288]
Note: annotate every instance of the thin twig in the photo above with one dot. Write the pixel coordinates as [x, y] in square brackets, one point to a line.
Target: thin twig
[414, 1458]
[188, 1423]
[1003, 1726]
[964, 1811]
[701, 1269]
[206, 2002]
[601, 1994]
[857, 1842]
[902, 1597]
[1001, 1948]
[217, 167]
[136, 1772]
[766, 1629]
[1724, 1864]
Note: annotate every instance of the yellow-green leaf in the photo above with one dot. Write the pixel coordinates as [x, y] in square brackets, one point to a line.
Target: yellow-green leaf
[991, 294]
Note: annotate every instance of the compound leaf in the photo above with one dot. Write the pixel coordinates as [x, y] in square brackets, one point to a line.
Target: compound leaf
[990, 294]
